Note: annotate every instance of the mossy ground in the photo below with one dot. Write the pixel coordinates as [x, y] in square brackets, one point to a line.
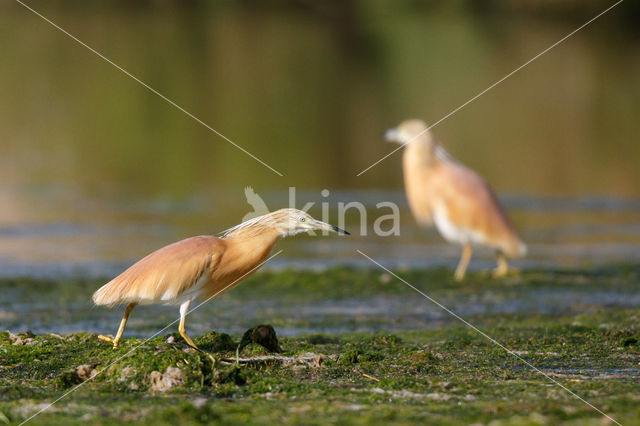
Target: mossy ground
[445, 375]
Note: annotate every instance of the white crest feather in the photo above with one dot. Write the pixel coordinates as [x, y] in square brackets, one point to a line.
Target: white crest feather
[245, 224]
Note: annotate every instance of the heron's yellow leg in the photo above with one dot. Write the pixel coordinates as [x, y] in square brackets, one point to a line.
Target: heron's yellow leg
[184, 308]
[467, 251]
[123, 323]
[503, 267]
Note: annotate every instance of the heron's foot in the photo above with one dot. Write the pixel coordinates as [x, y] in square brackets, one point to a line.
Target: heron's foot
[463, 264]
[500, 271]
[193, 346]
[503, 269]
[208, 354]
[115, 342]
[187, 339]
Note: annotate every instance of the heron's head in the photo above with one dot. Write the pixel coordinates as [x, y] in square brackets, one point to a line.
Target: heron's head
[294, 221]
[408, 131]
[284, 221]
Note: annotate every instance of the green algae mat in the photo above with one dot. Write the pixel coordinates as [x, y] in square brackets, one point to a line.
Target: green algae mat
[382, 354]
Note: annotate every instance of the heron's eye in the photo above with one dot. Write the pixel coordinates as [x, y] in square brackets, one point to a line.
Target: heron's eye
[302, 219]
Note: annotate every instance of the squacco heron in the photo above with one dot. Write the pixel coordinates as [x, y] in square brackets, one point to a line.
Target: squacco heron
[203, 266]
[457, 200]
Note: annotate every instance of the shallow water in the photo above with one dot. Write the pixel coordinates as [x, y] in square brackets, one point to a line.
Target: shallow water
[65, 306]
[103, 239]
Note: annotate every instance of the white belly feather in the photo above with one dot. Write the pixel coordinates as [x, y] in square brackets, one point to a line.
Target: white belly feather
[453, 233]
[170, 298]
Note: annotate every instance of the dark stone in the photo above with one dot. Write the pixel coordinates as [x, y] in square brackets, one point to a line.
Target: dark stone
[263, 335]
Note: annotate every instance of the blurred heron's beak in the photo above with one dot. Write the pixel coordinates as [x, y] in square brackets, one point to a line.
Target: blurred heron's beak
[328, 227]
[392, 135]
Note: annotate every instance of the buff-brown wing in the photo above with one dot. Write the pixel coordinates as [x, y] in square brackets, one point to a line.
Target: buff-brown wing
[165, 274]
[472, 204]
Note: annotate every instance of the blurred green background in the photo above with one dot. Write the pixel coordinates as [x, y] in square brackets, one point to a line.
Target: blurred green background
[96, 171]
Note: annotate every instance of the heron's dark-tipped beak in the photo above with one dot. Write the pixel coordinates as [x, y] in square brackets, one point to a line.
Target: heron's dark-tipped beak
[392, 135]
[329, 227]
[339, 231]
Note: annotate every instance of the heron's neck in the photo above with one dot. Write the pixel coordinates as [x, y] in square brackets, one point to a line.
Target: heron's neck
[247, 249]
[420, 152]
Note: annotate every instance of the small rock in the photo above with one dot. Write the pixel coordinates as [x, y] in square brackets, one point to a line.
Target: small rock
[171, 339]
[317, 361]
[22, 338]
[199, 402]
[156, 381]
[126, 373]
[86, 372]
[163, 382]
[57, 336]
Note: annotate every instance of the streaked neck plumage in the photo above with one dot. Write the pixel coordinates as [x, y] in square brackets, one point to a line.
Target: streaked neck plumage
[248, 244]
[424, 151]
[269, 227]
[258, 230]
[421, 151]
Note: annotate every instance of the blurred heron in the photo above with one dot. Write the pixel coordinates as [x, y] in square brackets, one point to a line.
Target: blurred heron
[457, 200]
[204, 266]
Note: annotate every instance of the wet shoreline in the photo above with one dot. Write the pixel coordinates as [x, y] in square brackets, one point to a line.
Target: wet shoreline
[336, 300]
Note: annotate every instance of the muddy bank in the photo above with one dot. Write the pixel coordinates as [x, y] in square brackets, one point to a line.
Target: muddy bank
[449, 375]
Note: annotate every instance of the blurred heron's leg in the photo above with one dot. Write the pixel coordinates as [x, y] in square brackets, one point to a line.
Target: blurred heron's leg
[184, 308]
[467, 251]
[123, 323]
[503, 267]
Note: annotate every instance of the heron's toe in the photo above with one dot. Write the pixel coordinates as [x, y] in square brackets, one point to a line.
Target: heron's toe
[110, 340]
[503, 272]
[105, 338]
